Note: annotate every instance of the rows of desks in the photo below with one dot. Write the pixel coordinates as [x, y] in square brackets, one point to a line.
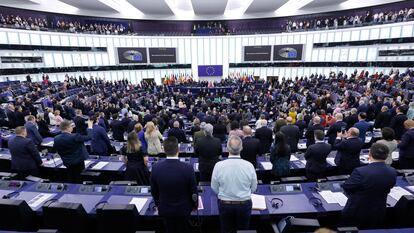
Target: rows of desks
[90, 195]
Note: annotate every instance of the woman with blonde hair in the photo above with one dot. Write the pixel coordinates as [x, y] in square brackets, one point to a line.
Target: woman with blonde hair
[52, 118]
[136, 161]
[153, 138]
[58, 118]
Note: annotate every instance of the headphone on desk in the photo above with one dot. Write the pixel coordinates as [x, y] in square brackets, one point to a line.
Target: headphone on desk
[316, 202]
[276, 203]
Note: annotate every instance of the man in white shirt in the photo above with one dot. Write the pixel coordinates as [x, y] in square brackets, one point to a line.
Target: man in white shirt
[234, 180]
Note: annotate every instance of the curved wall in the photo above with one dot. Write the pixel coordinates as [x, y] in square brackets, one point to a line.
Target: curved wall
[217, 50]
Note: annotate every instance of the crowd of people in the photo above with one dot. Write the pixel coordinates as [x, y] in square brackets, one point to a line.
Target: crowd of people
[350, 21]
[254, 118]
[28, 23]
[95, 28]
[215, 28]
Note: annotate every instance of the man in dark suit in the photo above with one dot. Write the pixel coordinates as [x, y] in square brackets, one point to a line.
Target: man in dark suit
[117, 128]
[100, 144]
[406, 146]
[351, 119]
[207, 149]
[362, 126]
[316, 157]
[397, 123]
[11, 116]
[32, 131]
[265, 136]
[25, 158]
[80, 122]
[72, 150]
[310, 136]
[174, 189]
[251, 146]
[177, 132]
[367, 194]
[348, 148]
[336, 128]
[383, 118]
[292, 134]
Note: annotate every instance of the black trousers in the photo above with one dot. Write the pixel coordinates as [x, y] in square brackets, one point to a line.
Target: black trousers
[406, 163]
[234, 217]
[74, 171]
[177, 224]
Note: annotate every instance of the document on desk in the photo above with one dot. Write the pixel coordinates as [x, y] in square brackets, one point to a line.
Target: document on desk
[195, 166]
[331, 161]
[39, 199]
[88, 162]
[293, 158]
[303, 162]
[52, 162]
[48, 143]
[200, 203]
[395, 155]
[334, 197]
[301, 146]
[398, 192]
[411, 188]
[368, 139]
[258, 202]
[100, 165]
[267, 165]
[139, 202]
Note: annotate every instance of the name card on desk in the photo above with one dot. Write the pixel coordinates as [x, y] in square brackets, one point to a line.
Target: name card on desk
[397, 192]
[258, 202]
[139, 202]
[100, 165]
[267, 165]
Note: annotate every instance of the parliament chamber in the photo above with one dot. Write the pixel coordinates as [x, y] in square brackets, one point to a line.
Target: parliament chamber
[232, 116]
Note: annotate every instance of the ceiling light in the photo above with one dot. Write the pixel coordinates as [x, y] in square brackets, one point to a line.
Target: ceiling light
[291, 6]
[122, 6]
[181, 8]
[236, 8]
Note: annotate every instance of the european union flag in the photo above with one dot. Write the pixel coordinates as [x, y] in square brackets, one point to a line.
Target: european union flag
[210, 71]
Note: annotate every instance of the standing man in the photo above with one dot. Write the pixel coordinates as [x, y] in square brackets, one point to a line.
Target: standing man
[234, 180]
[292, 134]
[362, 125]
[310, 137]
[397, 123]
[367, 194]
[79, 121]
[265, 136]
[336, 128]
[32, 131]
[251, 146]
[348, 148]
[71, 148]
[406, 146]
[174, 189]
[208, 150]
[25, 158]
[316, 157]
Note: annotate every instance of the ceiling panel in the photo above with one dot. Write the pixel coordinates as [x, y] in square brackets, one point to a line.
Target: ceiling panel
[323, 3]
[258, 6]
[89, 5]
[148, 7]
[209, 7]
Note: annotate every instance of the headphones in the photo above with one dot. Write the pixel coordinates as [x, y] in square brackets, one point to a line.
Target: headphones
[316, 202]
[276, 203]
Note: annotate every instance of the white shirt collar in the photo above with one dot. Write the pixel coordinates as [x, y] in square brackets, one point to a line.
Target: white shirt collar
[170, 157]
[317, 141]
[234, 156]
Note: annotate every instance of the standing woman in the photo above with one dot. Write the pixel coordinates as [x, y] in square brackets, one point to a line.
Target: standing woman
[153, 138]
[136, 161]
[280, 156]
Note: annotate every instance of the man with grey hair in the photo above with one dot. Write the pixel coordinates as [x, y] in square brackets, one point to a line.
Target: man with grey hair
[265, 136]
[199, 134]
[292, 134]
[348, 148]
[336, 128]
[251, 146]
[177, 132]
[234, 180]
[310, 136]
[208, 150]
[383, 118]
[352, 118]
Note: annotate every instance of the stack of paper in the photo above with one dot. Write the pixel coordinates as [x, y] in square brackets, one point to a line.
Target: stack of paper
[398, 192]
[39, 199]
[52, 162]
[411, 188]
[331, 161]
[258, 202]
[303, 161]
[100, 165]
[334, 197]
[267, 165]
[88, 162]
[293, 158]
[139, 202]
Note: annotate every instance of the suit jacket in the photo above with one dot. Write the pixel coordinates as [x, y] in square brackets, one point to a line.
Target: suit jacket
[406, 145]
[316, 157]
[251, 149]
[265, 136]
[24, 154]
[383, 120]
[100, 143]
[351, 120]
[292, 134]
[33, 133]
[363, 127]
[197, 135]
[334, 129]
[178, 133]
[367, 195]
[71, 147]
[117, 130]
[207, 149]
[397, 123]
[173, 185]
[310, 137]
[80, 124]
[347, 156]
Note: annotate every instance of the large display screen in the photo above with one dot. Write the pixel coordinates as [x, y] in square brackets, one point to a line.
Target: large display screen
[257, 53]
[13, 59]
[162, 55]
[291, 52]
[132, 55]
[210, 71]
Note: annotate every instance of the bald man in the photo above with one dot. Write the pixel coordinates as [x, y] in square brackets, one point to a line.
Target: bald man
[348, 148]
[310, 131]
[251, 146]
[292, 133]
[177, 132]
[406, 146]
